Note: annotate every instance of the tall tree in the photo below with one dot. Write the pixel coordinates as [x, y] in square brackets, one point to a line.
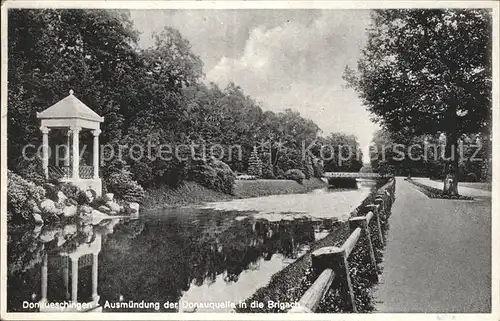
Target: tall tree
[340, 152]
[424, 71]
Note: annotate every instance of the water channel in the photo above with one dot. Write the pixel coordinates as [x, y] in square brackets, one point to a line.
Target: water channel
[211, 253]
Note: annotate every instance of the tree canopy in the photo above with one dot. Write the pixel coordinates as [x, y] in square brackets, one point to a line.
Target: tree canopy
[425, 71]
[147, 95]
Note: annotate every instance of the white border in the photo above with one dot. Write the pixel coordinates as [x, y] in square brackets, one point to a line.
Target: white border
[255, 5]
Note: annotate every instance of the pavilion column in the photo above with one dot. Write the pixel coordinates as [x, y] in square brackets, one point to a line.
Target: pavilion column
[74, 279]
[96, 133]
[68, 146]
[44, 279]
[67, 156]
[65, 272]
[45, 150]
[95, 256]
[76, 152]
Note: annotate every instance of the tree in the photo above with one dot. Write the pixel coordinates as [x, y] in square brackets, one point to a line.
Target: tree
[424, 71]
[341, 153]
[408, 155]
[254, 164]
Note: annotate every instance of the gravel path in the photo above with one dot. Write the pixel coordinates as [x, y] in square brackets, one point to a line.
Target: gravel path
[438, 255]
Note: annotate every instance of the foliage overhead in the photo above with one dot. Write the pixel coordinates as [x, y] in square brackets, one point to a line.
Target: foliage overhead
[424, 70]
[148, 96]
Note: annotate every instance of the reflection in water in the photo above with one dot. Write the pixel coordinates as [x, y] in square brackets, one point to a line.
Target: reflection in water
[208, 260]
[158, 260]
[195, 255]
[63, 266]
[321, 203]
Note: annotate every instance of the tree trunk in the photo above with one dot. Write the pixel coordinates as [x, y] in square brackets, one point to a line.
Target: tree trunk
[450, 186]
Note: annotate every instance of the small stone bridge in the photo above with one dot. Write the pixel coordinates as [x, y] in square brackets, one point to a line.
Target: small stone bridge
[349, 179]
[352, 175]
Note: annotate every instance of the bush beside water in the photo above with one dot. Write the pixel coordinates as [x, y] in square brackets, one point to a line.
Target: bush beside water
[214, 174]
[30, 204]
[124, 187]
[22, 195]
[296, 175]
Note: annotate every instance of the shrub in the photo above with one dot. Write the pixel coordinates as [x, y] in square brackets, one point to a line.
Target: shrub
[51, 191]
[142, 173]
[31, 170]
[213, 174]
[204, 175]
[280, 174]
[292, 159]
[267, 167]
[296, 175]
[116, 165]
[124, 187]
[83, 199]
[98, 201]
[70, 190]
[104, 187]
[471, 177]
[21, 196]
[267, 171]
[225, 176]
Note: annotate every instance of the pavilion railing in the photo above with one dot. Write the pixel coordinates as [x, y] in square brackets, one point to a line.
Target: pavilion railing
[59, 172]
[86, 171]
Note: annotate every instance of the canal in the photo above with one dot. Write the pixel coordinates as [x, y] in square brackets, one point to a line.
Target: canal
[216, 252]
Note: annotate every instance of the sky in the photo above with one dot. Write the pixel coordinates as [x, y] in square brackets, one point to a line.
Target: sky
[282, 58]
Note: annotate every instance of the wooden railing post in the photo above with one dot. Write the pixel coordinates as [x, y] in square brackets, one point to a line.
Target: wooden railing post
[379, 228]
[331, 263]
[362, 222]
[335, 258]
[375, 209]
[380, 201]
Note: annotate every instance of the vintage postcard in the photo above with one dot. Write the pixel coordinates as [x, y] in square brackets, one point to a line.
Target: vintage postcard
[250, 160]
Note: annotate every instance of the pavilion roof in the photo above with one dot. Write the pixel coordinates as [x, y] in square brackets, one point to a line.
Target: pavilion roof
[70, 107]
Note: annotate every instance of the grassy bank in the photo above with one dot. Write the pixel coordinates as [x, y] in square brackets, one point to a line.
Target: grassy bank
[190, 193]
[264, 187]
[186, 194]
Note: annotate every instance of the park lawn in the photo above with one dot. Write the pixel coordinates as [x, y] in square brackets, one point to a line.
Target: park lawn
[265, 187]
[482, 186]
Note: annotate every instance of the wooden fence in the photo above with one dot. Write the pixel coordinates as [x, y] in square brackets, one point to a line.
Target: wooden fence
[332, 262]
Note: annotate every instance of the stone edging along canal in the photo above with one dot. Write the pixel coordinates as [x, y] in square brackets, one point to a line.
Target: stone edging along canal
[291, 283]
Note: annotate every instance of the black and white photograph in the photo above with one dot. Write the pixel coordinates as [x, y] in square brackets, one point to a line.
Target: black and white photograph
[230, 159]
